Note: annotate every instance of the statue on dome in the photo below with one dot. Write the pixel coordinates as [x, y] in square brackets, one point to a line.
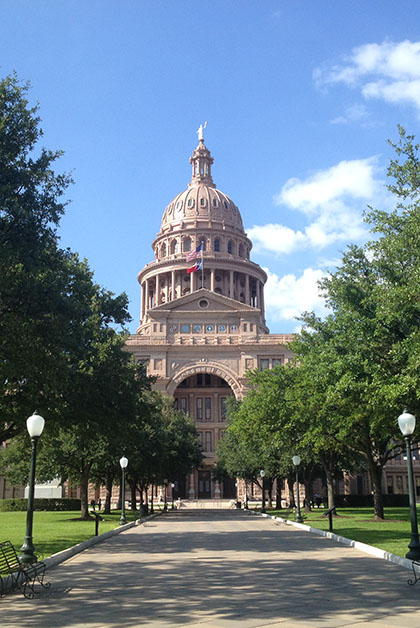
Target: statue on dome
[200, 131]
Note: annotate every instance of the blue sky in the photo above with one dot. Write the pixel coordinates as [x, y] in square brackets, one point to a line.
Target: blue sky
[300, 99]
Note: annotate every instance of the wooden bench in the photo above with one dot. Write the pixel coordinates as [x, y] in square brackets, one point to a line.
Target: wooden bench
[22, 575]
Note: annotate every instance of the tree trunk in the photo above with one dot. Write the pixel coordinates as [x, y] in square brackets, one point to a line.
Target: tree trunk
[329, 474]
[133, 490]
[290, 483]
[84, 487]
[375, 472]
[270, 493]
[308, 493]
[108, 492]
[278, 493]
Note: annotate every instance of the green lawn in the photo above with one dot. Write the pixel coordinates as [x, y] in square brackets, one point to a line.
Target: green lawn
[54, 531]
[391, 535]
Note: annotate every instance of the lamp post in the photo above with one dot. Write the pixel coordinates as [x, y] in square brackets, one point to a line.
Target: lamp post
[246, 495]
[173, 505]
[123, 465]
[165, 504]
[407, 424]
[262, 474]
[296, 462]
[35, 425]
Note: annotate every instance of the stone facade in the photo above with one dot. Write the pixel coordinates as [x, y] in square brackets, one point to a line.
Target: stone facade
[201, 331]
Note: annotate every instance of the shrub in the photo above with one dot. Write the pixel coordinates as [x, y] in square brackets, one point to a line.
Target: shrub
[43, 503]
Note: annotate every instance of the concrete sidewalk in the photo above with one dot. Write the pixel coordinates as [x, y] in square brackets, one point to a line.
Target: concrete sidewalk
[219, 569]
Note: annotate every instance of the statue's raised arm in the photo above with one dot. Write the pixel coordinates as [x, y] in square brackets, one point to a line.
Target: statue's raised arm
[200, 131]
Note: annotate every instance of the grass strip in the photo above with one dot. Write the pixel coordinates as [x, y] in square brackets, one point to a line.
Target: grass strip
[55, 531]
[392, 535]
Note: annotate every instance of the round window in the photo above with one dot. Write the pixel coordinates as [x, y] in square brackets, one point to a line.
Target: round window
[203, 303]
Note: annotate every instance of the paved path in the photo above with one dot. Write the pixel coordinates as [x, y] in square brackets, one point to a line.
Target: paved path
[219, 569]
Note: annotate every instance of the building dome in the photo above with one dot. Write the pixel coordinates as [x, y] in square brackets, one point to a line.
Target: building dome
[201, 201]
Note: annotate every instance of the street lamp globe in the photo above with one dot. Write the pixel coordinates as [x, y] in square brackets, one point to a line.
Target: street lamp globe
[123, 462]
[262, 473]
[407, 423]
[296, 460]
[35, 425]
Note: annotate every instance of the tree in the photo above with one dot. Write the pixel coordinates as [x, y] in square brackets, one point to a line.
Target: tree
[368, 348]
[34, 297]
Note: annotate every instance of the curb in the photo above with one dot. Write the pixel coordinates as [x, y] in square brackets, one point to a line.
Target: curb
[362, 547]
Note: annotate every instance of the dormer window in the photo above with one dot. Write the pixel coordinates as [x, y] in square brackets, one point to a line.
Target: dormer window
[190, 202]
[214, 202]
[202, 202]
[225, 204]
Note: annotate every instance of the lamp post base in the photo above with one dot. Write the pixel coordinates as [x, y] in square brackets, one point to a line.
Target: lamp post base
[27, 555]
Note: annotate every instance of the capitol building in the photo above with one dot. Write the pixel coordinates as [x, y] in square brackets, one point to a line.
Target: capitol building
[202, 320]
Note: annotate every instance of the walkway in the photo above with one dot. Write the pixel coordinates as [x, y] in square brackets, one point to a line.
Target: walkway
[219, 569]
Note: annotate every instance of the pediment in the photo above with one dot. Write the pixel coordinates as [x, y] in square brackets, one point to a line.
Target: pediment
[216, 302]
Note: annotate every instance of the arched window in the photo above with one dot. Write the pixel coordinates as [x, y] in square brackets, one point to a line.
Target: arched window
[174, 247]
[163, 250]
[230, 247]
[241, 250]
[187, 244]
[216, 244]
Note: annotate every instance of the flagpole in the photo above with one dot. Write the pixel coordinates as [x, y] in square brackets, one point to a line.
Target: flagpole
[202, 263]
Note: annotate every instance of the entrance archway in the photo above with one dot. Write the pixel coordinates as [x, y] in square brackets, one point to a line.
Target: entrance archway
[203, 396]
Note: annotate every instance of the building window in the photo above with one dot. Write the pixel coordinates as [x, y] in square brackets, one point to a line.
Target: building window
[230, 247]
[217, 245]
[277, 362]
[214, 202]
[184, 405]
[199, 409]
[208, 409]
[174, 247]
[417, 485]
[222, 408]
[187, 244]
[190, 202]
[202, 202]
[399, 484]
[264, 364]
[200, 439]
[176, 404]
[208, 441]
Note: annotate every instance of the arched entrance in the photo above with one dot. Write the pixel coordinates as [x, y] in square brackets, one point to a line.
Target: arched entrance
[203, 396]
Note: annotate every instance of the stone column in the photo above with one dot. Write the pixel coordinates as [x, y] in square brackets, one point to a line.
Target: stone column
[157, 297]
[191, 491]
[262, 301]
[247, 289]
[142, 303]
[173, 287]
[146, 296]
[212, 280]
[191, 282]
[231, 284]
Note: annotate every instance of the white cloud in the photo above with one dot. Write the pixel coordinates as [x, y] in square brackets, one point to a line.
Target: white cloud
[348, 178]
[390, 71]
[275, 238]
[288, 296]
[353, 113]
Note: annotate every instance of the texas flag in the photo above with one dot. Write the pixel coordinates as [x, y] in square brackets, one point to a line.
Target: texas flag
[197, 266]
[194, 254]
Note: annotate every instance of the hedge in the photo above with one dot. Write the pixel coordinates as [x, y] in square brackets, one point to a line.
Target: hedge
[357, 501]
[40, 503]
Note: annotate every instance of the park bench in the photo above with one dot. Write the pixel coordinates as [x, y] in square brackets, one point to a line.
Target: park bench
[22, 576]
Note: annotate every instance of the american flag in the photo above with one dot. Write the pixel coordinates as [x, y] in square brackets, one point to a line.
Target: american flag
[192, 255]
